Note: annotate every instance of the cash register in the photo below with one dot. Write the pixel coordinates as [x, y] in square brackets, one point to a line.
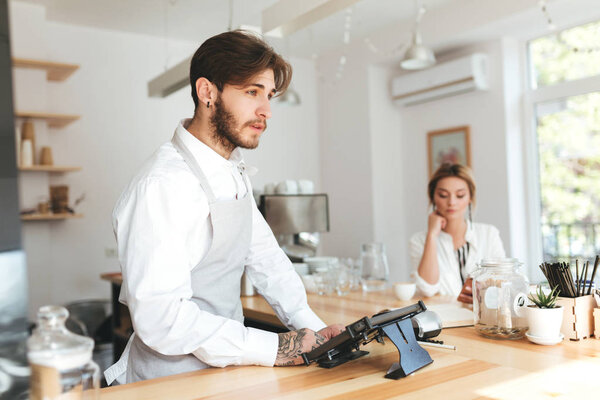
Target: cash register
[402, 326]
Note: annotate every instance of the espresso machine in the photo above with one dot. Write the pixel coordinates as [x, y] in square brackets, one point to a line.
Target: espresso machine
[296, 221]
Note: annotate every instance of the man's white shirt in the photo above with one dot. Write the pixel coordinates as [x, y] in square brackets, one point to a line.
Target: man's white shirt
[163, 231]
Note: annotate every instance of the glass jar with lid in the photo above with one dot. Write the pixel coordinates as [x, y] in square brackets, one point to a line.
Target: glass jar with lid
[499, 299]
[61, 361]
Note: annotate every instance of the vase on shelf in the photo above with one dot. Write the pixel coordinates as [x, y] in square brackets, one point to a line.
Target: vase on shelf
[46, 156]
[28, 133]
[26, 153]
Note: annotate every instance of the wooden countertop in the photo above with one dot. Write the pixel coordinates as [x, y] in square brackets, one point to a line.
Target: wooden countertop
[480, 368]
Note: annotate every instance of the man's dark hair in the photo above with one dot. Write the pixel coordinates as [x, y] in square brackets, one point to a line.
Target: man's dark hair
[234, 58]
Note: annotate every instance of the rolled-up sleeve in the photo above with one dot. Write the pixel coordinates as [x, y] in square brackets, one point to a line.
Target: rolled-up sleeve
[151, 226]
[273, 275]
[416, 248]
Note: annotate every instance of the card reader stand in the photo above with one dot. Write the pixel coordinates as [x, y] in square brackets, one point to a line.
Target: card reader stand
[396, 325]
[412, 355]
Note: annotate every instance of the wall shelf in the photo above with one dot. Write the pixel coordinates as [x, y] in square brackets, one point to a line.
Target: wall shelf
[49, 168]
[54, 71]
[53, 120]
[49, 217]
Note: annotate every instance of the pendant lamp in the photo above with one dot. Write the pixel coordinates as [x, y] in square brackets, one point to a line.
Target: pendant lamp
[417, 56]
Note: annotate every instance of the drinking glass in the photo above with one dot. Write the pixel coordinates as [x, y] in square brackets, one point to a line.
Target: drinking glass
[354, 270]
[323, 280]
[375, 269]
[343, 280]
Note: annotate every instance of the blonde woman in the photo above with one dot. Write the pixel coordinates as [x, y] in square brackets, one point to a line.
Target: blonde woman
[446, 254]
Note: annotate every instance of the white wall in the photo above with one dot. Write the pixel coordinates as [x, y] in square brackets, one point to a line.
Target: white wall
[388, 174]
[345, 147]
[119, 128]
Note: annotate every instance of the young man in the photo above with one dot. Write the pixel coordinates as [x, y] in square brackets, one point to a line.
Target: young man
[187, 226]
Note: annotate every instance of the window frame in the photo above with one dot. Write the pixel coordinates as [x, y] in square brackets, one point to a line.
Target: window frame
[532, 97]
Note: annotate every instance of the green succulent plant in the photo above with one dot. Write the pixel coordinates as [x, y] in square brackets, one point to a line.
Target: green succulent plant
[543, 300]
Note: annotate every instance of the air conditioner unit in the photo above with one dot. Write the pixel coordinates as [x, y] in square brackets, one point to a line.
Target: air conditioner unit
[448, 79]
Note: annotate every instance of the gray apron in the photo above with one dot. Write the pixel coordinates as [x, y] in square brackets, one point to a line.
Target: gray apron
[215, 280]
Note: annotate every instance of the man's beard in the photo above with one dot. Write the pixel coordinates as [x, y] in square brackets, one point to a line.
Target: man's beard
[225, 129]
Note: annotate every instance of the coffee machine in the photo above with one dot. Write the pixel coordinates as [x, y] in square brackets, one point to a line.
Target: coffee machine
[296, 221]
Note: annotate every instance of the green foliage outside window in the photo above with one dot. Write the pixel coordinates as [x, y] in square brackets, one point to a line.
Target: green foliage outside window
[571, 54]
[568, 132]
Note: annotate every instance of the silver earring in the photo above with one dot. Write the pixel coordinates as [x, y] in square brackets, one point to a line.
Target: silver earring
[470, 217]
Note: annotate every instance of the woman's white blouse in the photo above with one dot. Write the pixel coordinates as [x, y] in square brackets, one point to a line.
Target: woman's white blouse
[484, 242]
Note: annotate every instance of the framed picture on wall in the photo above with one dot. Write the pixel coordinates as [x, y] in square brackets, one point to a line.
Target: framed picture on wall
[448, 146]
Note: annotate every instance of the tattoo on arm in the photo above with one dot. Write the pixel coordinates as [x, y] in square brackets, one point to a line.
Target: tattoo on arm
[291, 345]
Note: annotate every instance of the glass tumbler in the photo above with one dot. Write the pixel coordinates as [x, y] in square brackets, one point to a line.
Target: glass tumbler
[343, 280]
[375, 269]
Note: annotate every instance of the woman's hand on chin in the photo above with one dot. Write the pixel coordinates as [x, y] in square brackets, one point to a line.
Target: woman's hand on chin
[436, 223]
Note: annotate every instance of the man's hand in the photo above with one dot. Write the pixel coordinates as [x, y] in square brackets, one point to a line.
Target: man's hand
[294, 343]
[466, 294]
[332, 330]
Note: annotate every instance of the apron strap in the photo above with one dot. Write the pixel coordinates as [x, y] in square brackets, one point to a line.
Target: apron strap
[191, 162]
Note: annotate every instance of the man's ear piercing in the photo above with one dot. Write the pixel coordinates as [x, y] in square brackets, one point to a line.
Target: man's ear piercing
[207, 104]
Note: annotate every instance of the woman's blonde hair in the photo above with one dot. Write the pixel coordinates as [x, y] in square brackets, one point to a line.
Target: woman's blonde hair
[447, 170]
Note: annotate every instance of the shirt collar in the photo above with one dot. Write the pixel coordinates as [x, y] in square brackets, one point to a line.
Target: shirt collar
[469, 235]
[208, 159]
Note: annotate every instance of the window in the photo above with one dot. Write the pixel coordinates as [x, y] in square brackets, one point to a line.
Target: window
[571, 54]
[566, 93]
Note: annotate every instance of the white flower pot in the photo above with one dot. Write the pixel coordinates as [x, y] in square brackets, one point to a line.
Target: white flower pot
[544, 322]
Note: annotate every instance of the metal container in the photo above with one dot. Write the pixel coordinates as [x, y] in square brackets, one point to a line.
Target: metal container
[499, 299]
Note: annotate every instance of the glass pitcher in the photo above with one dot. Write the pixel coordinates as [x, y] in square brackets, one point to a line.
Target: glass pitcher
[61, 361]
[375, 269]
[499, 299]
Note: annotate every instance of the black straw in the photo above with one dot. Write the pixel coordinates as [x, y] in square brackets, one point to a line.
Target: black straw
[577, 276]
[584, 276]
[589, 291]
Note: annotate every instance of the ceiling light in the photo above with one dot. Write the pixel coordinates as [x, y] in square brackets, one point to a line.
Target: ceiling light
[417, 56]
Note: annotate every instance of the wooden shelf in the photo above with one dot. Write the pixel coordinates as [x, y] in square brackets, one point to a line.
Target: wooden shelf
[49, 168]
[54, 120]
[49, 217]
[54, 71]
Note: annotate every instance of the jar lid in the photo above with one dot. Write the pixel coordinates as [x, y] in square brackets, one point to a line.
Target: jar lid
[500, 262]
[53, 345]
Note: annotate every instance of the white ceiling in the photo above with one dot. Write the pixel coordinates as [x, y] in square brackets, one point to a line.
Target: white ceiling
[190, 20]
[448, 24]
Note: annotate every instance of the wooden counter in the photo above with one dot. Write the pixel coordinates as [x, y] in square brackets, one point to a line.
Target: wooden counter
[479, 368]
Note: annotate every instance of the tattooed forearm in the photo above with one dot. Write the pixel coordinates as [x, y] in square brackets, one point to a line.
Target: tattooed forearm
[293, 344]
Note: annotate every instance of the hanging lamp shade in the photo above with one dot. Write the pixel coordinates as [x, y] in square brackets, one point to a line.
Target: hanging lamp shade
[290, 97]
[417, 56]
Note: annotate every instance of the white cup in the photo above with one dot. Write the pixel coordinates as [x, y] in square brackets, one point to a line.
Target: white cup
[269, 188]
[405, 290]
[287, 187]
[306, 187]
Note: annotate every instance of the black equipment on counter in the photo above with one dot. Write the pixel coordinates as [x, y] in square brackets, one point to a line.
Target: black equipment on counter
[402, 326]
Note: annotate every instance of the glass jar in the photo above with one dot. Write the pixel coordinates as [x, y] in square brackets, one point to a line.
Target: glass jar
[61, 361]
[499, 299]
[375, 270]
